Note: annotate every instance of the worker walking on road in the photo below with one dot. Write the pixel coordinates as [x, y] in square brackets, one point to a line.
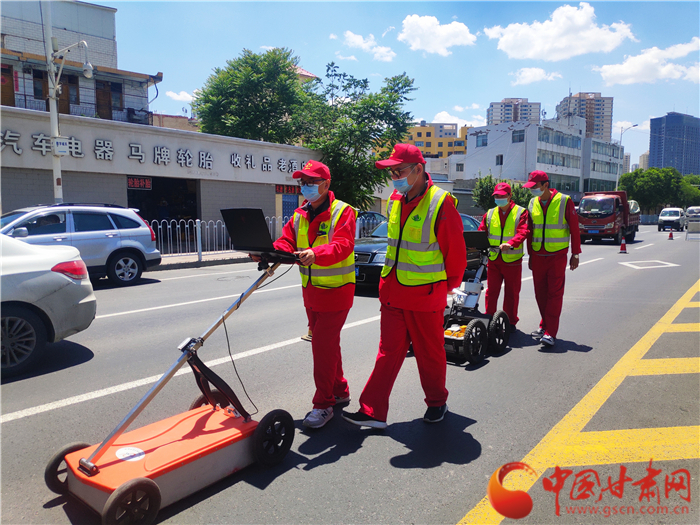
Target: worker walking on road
[322, 234]
[425, 258]
[553, 225]
[506, 225]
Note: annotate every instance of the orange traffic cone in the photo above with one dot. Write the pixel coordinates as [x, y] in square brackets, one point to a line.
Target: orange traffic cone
[623, 246]
[670, 235]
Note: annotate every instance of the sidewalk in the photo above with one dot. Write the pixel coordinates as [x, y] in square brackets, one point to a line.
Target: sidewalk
[189, 260]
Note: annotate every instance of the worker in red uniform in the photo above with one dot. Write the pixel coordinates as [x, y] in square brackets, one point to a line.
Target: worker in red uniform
[425, 260]
[553, 225]
[322, 234]
[506, 225]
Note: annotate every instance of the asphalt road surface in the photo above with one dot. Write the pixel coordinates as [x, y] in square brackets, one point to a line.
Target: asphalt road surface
[619, 389]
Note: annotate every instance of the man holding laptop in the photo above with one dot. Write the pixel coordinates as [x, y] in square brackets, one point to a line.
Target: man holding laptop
[322, 234]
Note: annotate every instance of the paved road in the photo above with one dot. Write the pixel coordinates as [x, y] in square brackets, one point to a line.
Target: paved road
[527, 404]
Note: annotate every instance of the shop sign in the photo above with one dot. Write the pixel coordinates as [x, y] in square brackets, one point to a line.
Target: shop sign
[138, 183]
[287, 188]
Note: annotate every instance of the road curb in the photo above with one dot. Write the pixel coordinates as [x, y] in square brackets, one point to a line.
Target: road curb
[199, 264]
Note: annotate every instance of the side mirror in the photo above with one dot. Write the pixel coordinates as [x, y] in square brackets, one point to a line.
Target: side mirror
[20, 232]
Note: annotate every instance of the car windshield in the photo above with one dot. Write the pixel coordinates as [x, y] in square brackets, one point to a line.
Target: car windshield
[599, 205]
[381, 230]
[469, 224]
[9, 217]
[670, 213]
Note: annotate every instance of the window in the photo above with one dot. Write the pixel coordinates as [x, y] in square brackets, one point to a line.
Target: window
[46, 224]
[459, 167]
[419, 143]
[482, 140]
[439, 153]
[410, 137]
[73, 89]
[419, 134]
[459, 143]
[39, 85]
[90, 222]
[439, 144]
[116, 95]
[124, 223]
[518, 135]
[449, 144]
[499, 160]
[428, 144]
[428, 133]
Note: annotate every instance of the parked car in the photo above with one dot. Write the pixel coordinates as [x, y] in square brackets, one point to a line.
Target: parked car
[368, 221]
[370, 252]
[672, 218]
[693, 213]
[113, 241]
[46, 296]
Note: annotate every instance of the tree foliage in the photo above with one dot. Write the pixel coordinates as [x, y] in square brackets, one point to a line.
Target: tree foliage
[659, 187]
[253, 97]
[483, 193]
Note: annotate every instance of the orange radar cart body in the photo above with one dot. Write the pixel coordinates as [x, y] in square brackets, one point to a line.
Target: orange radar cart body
[131, 475]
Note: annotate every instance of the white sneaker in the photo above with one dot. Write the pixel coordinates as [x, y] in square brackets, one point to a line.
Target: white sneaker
[318, 417]
[547, 340]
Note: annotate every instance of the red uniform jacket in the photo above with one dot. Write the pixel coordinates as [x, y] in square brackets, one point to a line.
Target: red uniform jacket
[429, 297]
[342, 245]
[521, 229]
[571, 218]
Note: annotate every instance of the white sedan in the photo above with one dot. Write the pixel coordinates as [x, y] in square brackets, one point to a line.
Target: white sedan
[46, 297]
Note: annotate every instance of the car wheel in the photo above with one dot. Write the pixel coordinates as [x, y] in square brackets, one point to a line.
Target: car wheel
[659, 228]
[124, 269]
[23, 339]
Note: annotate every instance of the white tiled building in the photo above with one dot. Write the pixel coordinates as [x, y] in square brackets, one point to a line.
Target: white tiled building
[513, 110]
[596, 109]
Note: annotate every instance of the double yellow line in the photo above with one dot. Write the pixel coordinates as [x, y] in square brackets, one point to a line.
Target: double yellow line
[567, 445]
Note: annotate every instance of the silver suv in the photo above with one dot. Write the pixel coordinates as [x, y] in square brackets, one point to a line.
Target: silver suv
[673, 218]
[113, 241]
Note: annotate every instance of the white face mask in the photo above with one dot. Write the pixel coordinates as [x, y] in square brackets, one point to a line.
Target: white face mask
[536, 192]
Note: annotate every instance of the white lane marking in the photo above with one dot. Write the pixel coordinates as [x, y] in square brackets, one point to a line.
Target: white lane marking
[204, 275]
[530, 278]
[20, 414]
[645, 246]
[191, 302]
[649, 264]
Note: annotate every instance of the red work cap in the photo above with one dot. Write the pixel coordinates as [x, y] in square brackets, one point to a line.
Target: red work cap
[502, 189]
[315, 169]
[402, 153]
[535, 177]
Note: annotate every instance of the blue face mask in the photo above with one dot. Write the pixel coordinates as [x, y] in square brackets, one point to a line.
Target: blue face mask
[501, 202]
[536, 192]
[402, 185]
[310, 193]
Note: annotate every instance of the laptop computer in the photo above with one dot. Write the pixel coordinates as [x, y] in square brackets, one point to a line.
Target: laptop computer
[248, 231]
[476, 239]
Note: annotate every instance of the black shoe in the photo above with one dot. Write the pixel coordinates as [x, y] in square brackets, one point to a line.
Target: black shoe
[363, 420]
[435, 414]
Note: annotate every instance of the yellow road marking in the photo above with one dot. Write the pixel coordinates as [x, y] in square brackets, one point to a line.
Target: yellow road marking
[693, 304]
[601, 447]
[678, 365]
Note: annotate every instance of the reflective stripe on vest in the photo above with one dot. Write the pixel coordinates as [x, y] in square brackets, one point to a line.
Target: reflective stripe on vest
[554, 225]
[332, 276]
[498, 235]
[414, 249]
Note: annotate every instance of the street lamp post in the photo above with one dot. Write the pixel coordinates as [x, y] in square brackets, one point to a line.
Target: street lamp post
[622, 131]
[52, 53]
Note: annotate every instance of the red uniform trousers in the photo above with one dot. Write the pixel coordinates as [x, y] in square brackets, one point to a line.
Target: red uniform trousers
[400, 327]
[511, 273]
[548, 273]
[328, 363]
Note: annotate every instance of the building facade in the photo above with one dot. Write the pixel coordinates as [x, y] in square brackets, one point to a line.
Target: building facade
[596, 109]
[644, 161]
[513, 110]
[437, 140]
[626, 163]
[675, 142]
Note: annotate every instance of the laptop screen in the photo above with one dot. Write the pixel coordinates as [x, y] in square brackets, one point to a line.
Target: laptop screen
[248, 229]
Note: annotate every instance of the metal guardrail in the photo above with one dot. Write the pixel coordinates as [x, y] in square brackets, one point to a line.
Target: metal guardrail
[190, 236]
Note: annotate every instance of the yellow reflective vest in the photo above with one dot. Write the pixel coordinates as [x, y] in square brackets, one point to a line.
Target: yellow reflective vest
[499, 234]
[335, 275]
[413, 250]
[552, 228]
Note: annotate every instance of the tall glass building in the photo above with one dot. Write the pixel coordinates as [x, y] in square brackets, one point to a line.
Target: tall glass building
[675, 143]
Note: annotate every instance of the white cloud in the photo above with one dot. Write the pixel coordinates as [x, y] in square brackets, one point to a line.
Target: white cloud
[528, 75]
[444, 116]
[458, 108]
[369, 45]
[461, 108]
[625, 124]
[424, 33]
[569, 32]
[474, 106]
[390, 28]
[267, 48]
[333, 36]
[341, 57]
[653, 64]
[182, 96]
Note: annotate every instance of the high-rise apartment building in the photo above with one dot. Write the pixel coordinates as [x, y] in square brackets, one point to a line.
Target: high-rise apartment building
[513, 110]
[596, 109]
[626, 163]
[437, 140]
[644, 161]
[675, 142]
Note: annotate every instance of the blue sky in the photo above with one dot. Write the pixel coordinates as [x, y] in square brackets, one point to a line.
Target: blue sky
[462, 55]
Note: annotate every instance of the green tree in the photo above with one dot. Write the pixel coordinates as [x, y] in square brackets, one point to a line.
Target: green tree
[483, 193]
[521, 196]
[253, 97]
